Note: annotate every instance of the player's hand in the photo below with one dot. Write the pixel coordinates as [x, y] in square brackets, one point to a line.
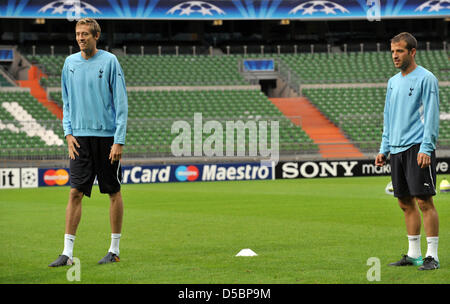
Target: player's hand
[116, 152]
[380, 160]
[423, 160]
[71, 144]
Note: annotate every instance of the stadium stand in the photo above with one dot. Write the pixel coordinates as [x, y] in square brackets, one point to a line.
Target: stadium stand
[357, 67]
[154, 70]
[166, 70]
[28, 129]
[4, 82]
[152, 113]
[182, 70]
[152, 110]
[444, 107]
[359, 112]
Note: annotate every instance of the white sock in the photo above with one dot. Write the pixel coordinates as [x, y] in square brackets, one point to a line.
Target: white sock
[432, 249]
[115, 239]
[69, 239]
[414, 246]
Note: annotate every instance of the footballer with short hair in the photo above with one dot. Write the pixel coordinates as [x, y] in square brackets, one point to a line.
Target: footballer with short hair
[410, 132]
[95, 111]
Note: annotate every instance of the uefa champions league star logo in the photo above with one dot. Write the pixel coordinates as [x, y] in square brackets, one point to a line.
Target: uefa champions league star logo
[29, 177]
[311, 7]
[434, 6]
[72, 8]
[198, 7]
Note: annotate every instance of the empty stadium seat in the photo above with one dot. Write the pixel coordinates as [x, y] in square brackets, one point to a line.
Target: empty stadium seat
[151, 115]
[4, 82]
[359, 113]
[27, 128]
[189, 70]
[356, 67]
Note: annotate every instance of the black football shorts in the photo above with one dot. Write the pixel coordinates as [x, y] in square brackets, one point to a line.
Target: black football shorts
[408, 179]
[93, 161]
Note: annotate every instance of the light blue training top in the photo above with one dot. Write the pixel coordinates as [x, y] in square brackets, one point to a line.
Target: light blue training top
[411, 112]
[94, 96]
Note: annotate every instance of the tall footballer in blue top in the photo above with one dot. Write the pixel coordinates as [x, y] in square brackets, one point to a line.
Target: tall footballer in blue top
[411, 128]
[95, 114]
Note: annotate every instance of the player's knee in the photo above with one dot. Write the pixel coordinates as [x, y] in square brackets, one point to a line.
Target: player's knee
[76, 195]
[115, 197]
[407, 204]
[425, 203]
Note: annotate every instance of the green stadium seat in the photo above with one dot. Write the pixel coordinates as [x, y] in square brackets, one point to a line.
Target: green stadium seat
[359, 113]
[16, 138]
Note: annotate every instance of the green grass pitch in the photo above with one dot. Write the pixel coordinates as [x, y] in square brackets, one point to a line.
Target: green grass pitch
[304, 231]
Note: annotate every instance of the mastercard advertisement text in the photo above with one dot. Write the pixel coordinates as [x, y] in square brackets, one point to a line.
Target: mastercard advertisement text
[187, 173]
[54, 177]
